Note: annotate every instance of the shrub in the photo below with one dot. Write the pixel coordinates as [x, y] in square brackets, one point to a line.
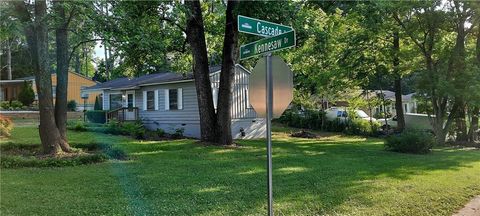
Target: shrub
[12, 105]
[362, 127]
[26, 95]
[98, 105]
[96, 116]
[72, 105]
[410, 141]
[160, 132]
[310, 119]
[77, 126]
[6, 125]
[178, 133]
[4, 105]
[336, 125]
[134, 129]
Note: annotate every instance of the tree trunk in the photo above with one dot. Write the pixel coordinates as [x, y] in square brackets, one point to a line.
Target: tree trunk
[472, 133]
[9, 60]
[61, 34]
[36, 34]
[196, 38]
[457, 69]
[230, 40]
[398, 83]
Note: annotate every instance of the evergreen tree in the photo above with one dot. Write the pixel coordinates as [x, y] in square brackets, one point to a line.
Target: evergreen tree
[97, 105]
[26, 95]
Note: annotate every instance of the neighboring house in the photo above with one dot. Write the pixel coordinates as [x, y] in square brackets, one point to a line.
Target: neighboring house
[409, 104]
[169, 101]
[9, 89]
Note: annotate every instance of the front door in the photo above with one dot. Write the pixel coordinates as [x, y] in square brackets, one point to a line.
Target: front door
[130, 104]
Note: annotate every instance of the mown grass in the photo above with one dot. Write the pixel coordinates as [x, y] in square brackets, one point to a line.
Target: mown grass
[334, 175]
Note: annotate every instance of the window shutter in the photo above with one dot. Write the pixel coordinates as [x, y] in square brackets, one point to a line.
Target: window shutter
[144, 100]
[156, 100]
[215, 97]
[167, 100]
[180, 98]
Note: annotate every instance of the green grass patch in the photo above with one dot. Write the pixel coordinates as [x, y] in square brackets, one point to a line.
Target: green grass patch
[332, 175]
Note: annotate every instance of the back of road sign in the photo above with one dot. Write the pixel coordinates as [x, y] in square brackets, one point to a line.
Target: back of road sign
[282, 87]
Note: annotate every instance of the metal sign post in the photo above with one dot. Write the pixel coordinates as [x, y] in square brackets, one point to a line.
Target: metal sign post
[263, 83]
[269, 105]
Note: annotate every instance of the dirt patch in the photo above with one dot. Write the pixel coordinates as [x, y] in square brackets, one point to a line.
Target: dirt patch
[304, 134]
[472, 208]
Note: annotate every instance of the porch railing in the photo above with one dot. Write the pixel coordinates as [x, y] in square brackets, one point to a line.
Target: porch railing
[123, 114]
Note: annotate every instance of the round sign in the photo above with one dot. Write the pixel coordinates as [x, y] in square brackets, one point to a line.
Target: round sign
[282, 87]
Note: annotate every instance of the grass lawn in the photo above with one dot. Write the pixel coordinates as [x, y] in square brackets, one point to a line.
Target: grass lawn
[334, 175]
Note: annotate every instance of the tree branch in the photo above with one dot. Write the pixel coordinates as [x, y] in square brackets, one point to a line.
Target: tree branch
[84, 42]
[410, 34]
[174, 23]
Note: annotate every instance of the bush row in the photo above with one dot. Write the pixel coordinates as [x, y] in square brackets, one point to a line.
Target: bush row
[15, 161]
[312, 119]
[12, 105]
[24, 155]
[96, 116]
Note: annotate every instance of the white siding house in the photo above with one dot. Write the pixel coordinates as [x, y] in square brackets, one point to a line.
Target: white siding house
[169, 101]
[409, 104]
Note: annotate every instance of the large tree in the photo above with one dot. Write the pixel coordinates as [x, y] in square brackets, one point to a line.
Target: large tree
[215, 126]
[36, 32]
[63, 18]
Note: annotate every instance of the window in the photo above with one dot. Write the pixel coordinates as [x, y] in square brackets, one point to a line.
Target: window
[406, 107]
[173, 99]
[342, 114]
[129, 100]
[115, 101]
[150, 100]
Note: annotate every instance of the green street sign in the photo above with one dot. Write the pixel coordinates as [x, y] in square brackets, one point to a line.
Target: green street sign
[265, 45]
[260, 27]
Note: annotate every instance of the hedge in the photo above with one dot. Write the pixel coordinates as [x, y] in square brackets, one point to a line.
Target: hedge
[96, 116]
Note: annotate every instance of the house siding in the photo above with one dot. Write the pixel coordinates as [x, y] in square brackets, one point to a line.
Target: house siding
[170, 120]
[241, 108]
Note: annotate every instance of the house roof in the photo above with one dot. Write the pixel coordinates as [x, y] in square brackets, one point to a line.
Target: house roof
[149, 79]
[54, 73]
[390, 95]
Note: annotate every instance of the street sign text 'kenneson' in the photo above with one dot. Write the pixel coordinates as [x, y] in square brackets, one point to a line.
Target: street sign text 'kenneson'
[266, 45]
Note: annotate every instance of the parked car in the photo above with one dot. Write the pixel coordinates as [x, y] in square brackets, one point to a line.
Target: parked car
[342, 114]
[412, 121]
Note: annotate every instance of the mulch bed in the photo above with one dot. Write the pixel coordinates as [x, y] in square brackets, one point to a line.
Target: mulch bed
[304, 134]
